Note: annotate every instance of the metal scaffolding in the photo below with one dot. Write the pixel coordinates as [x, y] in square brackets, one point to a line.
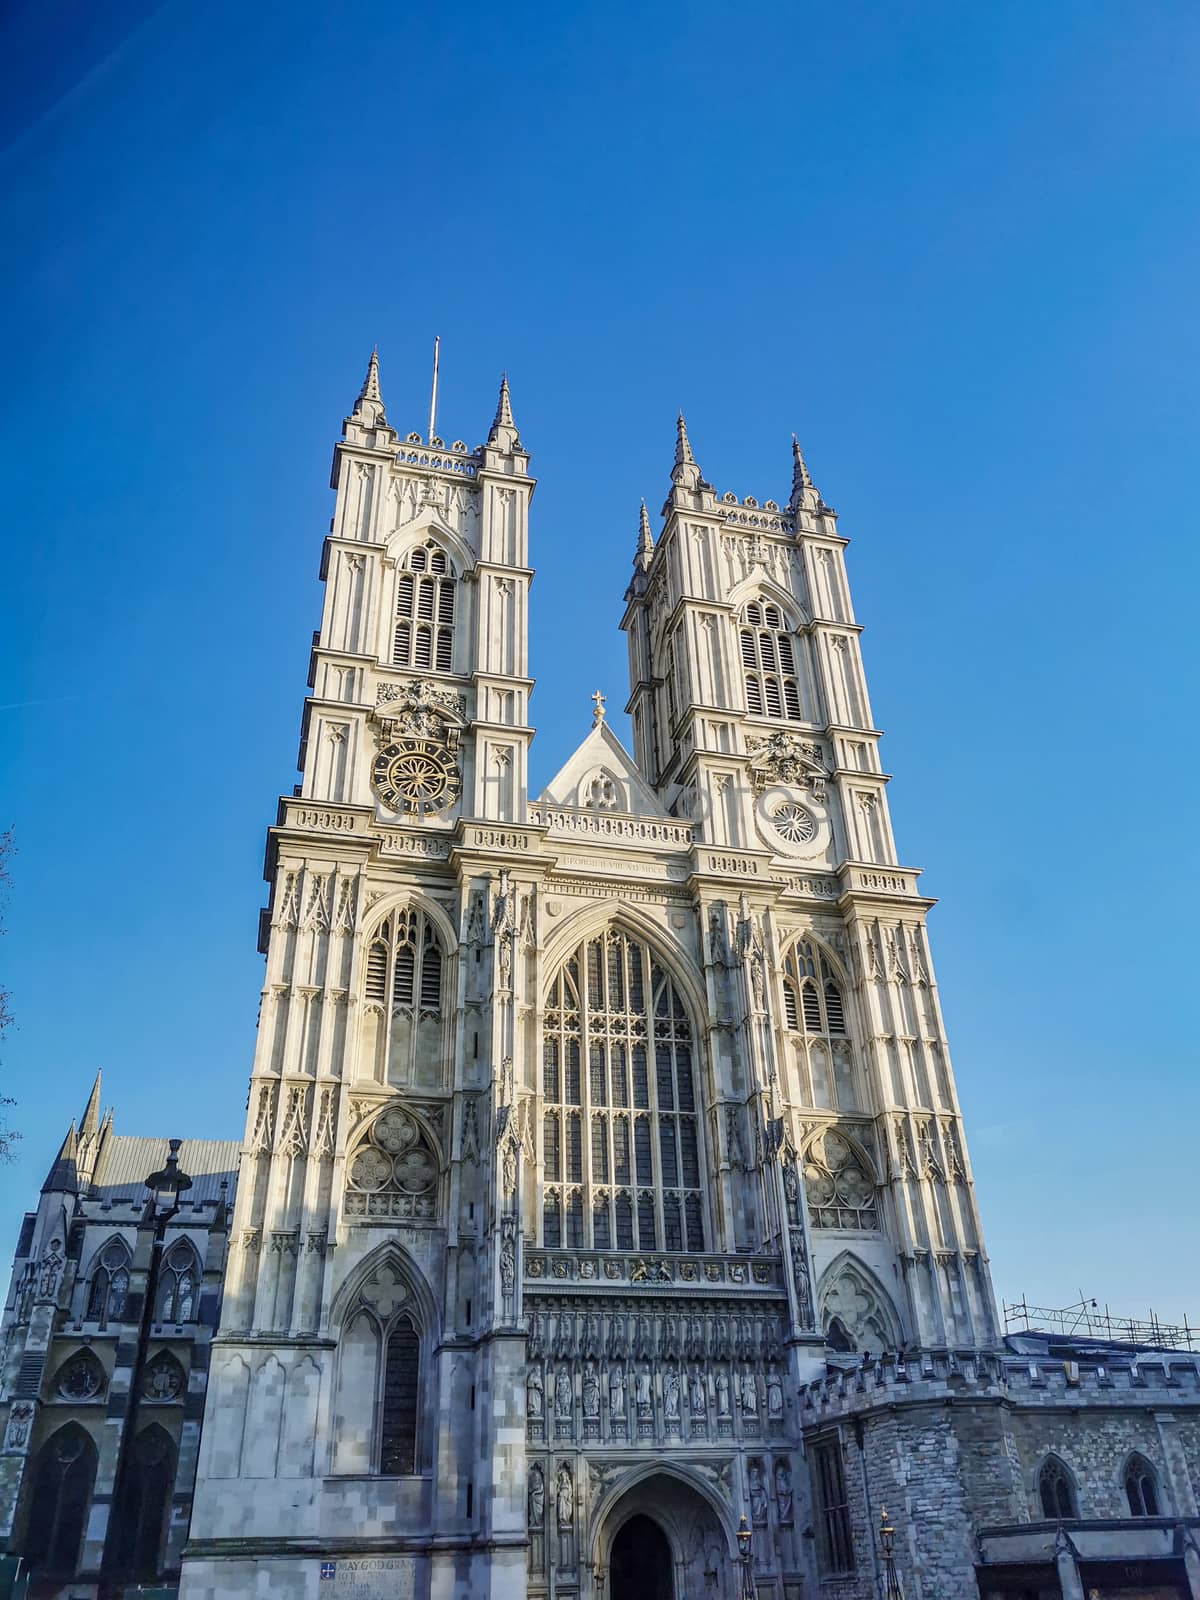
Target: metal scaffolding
[1086, 1319]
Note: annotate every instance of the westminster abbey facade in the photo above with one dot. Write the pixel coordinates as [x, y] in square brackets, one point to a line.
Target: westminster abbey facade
[603, 1178]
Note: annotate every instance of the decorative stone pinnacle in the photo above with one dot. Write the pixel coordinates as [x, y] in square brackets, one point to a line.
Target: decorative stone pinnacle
[597, 709]
[804, 490]
[368, 407]
[503, 432]
[685, 471]
[645, 541]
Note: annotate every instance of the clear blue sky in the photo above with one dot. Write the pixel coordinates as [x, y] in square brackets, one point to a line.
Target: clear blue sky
[956, 247]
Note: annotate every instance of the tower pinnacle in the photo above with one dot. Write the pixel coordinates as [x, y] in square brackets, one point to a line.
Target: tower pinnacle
[645, 542]
[89, 1124]
[503, 434]
[685, 472]
[804, 490]
[368, 408]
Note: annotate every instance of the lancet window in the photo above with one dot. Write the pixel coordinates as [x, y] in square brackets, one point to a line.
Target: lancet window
[62, 1492]
[109, 1284]
[403, 989]
[1141, 1488]
[426, 587]
[835, 1543]
[814, 1010]
[621, 1161]
[144, 1524]
[1057, 1491]
[177, 1287]
[379, 1383]
[769, 662]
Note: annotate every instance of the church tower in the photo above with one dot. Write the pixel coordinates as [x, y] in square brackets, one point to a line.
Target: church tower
[583, 1130]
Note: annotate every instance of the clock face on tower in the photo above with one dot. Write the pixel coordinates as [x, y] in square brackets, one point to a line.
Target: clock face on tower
[416, 776]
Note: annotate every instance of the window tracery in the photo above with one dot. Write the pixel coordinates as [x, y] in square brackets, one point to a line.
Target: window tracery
[403, 988]
[81, 1377]
[423, 637]
[109, 1285]
[620, 1132]
[66, 1470]
[1057, 1491]
[180, 1275]
[856, 1313]
[393, 1174]
[841, 1191]
[769, 662]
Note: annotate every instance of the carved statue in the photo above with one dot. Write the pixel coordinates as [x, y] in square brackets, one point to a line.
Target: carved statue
[591, 1391]
[642, 1391]
[774, 1394]
[564, 1397]
[537, 1495]
[723, 1349]
[758, 1495]
[565, 1499]
[791, 1189]
[616, 1391]
[671, 1346]
[537, 1336]
[591, 1336]
[535, 1393]
[749, 1394]
[671, 1395]
[783, 1491]
[722, 1392]
[717, 943]
[758, 979]
[508, 1257]
[697, 1402]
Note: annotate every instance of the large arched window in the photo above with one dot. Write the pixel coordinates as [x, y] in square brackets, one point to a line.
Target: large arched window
[61, 1493]
[1057, 1491]
[621, 1167]
[179, 1277]
[151, 1482]
[403, 989]
[379, 1379]
[814, 1010]
[425, 597]
[769, 662]
[109, 1284]
[1141, 1488]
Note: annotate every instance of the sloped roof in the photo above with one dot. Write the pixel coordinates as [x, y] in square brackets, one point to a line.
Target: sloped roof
[126, 1161]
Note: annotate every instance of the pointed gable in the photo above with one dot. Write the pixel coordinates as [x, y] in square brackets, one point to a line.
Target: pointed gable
[601, 775]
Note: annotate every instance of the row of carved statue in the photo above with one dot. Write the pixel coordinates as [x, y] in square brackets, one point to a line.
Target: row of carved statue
[648, 1335]
[551, 1390]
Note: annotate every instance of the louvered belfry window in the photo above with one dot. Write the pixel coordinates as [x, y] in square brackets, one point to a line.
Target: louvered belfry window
[769, 662]
[423, 637]
[621, 1164]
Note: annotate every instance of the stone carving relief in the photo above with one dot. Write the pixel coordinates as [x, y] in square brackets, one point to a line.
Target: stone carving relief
[393, 1173]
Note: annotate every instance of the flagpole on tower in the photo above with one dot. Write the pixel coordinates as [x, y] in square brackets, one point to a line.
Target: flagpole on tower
[433, 392]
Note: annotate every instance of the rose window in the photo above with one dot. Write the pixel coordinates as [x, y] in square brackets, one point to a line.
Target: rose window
[841, 1193]
[80, 1378]
[794, 823]
[394, 1172]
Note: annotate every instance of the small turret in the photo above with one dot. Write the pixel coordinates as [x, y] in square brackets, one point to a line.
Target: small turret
[804, 491]
[368, 408]
[644, 553]
[503, 433]
[685, 473]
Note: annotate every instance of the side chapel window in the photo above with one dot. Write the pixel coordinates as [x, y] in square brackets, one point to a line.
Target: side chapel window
[835, 1545]
[109, 1285]
[1057, 1491]
[151, 1482]
[379, 1382]
[1141, 1488]
[423, 637]
[177, 1285]
[62, 1492]
[769, 662]
[620, 1135]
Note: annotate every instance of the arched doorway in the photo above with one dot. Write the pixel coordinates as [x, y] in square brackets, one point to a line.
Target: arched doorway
[641, 1562]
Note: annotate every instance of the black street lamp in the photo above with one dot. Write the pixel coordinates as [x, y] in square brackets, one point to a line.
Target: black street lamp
[887, 1539]
[744, 1540]
[165, 1188]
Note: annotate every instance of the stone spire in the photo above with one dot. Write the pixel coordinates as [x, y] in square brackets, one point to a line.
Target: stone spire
[368, 408]
[804, 490]
[503, 434]
[64, 1170]
[645, 542]
[685, 472]
[89, 1124]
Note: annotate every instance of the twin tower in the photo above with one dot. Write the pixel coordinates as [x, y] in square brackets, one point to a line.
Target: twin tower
[583, 1129]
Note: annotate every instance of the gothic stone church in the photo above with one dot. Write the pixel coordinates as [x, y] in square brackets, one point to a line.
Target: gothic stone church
[603, 1178]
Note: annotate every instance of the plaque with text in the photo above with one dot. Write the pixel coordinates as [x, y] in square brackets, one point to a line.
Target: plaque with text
[369, 1578]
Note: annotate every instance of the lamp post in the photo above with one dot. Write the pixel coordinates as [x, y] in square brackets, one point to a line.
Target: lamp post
[162, 1204]
[744, 1540]
[887, 1539]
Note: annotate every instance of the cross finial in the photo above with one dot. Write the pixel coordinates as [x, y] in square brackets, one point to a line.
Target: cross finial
[597, 709]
